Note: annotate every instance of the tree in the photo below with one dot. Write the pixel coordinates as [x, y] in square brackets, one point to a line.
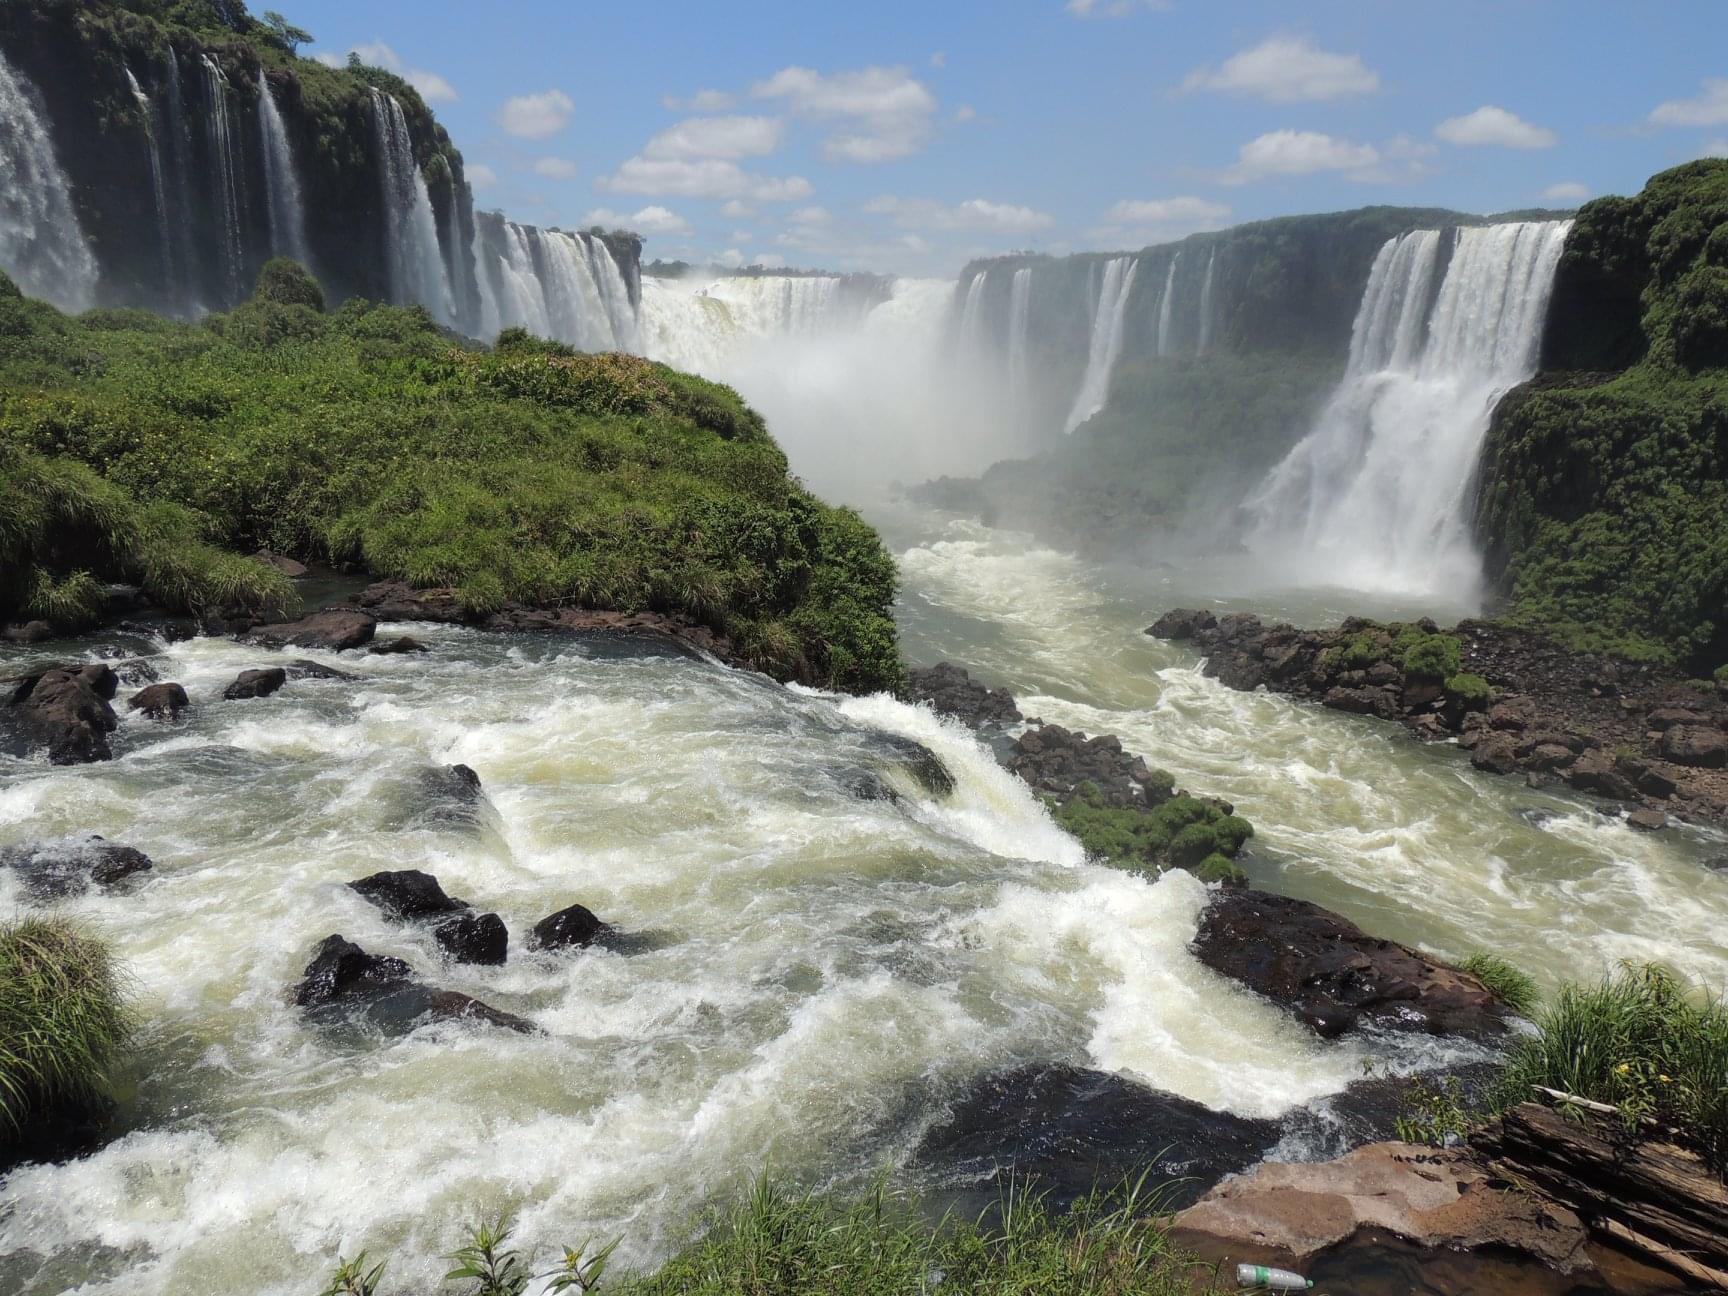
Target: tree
[284, 33]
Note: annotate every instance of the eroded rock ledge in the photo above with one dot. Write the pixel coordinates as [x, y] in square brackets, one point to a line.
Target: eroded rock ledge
[1519, 703]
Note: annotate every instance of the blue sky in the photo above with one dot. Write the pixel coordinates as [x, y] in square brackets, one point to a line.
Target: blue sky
[911, 136]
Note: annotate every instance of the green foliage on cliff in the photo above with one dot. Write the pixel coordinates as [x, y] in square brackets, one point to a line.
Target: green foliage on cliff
[1604, 498]
[363, 436]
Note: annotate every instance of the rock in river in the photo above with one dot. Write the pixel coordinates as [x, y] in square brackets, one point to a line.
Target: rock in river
[65, 709]
[72, 865]
[333, 629]
[343, 978]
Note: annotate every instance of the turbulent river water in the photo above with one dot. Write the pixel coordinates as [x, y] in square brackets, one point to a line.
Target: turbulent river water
[811, 977]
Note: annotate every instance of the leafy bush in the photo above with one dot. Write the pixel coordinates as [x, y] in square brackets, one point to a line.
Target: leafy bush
[64, 1023]
[1508, 983]
[1641, 1040]
[1360, 651]
[1183, 832]
[1433, 657]
[1721, 675]
[1470, 691]
[286, 283]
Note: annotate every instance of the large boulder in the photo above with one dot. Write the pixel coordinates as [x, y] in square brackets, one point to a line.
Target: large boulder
[159, 701]
[408, 895]
[66, 710]
[474, 938]
[950, 690]
[396, 646]
[1332, 975]
[924, 766]
[571, 928]
[256, 683]
[1290, 1214]
[337, 629]
[446, 796]
[1069, 1130]
[71, 866]
[1056, 761]
[342, 979]
[1696, 746]
[1182, 623]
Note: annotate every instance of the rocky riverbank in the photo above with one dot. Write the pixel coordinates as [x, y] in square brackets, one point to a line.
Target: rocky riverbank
[1637, 734]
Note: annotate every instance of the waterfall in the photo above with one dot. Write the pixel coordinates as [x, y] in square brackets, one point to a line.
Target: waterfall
[1205, 339]
[1164, 306]
[972, 317]
[177, 135]
[1019, 327]
[158, 184]
[1376, 495]
[416, 265]
[228, 174]
[1106, 342]
[554, 284]
[287, 220]
[41, 244]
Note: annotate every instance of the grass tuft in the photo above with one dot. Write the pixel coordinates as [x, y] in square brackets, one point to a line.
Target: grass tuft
[1511, 985]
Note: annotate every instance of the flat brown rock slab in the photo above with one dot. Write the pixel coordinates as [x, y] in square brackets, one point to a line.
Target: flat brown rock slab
[1331, 974]
[394, 601]
[335, 629]
[1434, 1198]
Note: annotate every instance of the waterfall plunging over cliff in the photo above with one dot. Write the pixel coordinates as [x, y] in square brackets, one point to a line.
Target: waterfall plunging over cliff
[1165, 302]
[282, 185]
[158, 181]
[554, 284]
[1106, 344]
[1019, 328]
[41, 244]
[1204, 342]
[228, 174]
[417, 270]
[1375, 496]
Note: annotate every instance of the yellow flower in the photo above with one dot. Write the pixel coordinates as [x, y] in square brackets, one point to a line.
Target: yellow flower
[1623, 1068]
[1664, 1079]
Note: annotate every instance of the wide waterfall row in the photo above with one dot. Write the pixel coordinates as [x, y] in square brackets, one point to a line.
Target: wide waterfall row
[1375, 495]
[41, 244]
[570, 287]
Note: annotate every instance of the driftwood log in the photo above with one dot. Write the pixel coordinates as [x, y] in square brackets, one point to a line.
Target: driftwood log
[1653, 1197]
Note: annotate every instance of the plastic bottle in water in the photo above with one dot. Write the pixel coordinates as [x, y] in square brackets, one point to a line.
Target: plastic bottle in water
[1266, 1279]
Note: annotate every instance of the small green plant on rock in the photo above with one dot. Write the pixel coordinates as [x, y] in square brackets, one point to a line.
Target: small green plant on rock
[580, 1271]
[1435, 1114]
[1511, 985]
[1472, 692]
[353, 1278]
[489, 1262]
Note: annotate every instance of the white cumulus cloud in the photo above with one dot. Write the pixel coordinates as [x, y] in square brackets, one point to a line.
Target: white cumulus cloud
[1160, 220]
[536, 116]
[432, 87]
[649, 220]
[1493, 127]
[973, 214]
[555, 168]
[703, 101]
[1287, 69]
[1567, 191]
[480, 176]
[810, 216]
[1297, 153]
[1708, 108]
[717, 137]
[702, 178]
[874, 113]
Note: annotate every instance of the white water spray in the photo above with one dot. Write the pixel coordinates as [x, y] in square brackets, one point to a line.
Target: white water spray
[417, 272]
[229, 201]
[1374, 497]
[1206, 325]
[1165, 304]
[41, 244]
[282, 185]
[158, 184]
[1019, 329]
[1106, 340]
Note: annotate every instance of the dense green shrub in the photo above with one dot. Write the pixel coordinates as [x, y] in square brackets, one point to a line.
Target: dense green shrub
[1433, 657]
[1360, 651]
[287, 283]
[530, 473]
[1721, 675]
[64, 1023]
[1472, 692]
[1182, 831]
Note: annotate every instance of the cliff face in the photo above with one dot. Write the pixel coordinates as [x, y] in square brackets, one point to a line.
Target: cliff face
[1603, 487]
[196, 146]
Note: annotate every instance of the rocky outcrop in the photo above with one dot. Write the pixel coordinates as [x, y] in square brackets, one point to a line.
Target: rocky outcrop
[255, 684]
[951, 691]
[1289, 1214]
[408, 895]
[335, 629]
[1069, 1130]
[1332, 975]
[159, 701]
[281, 562]
[344, 979]
[1056, 761]
[65, 711]
[52, 870]
[393, 647]
[446, 796]
[572, 928]
[474, 938]
[1518, 703]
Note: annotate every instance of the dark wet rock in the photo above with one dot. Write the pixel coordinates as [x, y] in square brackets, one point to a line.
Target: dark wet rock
[401, 644]
[301, 669]
[72, 865]
[1331, 974]
[1694, 745]
[1668, 717]
[1495, 753]
[255, 684]
[136, 671]
[66, 710]
[1594, 772]
[908, 754]
[473, 938]
[1647, 819]
[447, 796]
[408, 895]
[1363, 701]
[1368, 1110]
[159, 701]
[342, 977]
[571, 928]
[282, 563]
[867, 785]
[1056, 761]
[1070, 1130]
[30, 632]
[1180, 624]
[1647, 776]
[950, 690]
[336, 629]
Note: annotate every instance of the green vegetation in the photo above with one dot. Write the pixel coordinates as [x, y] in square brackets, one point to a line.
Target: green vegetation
[1435, 1113]
[1641, 1040]
[1360, 651]
[1510, 984]
[132, 448]
[1720, 675]
[1605, 496]
[64, 1024]
[1431, 657]
[1180, 832]
[1472, 692]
